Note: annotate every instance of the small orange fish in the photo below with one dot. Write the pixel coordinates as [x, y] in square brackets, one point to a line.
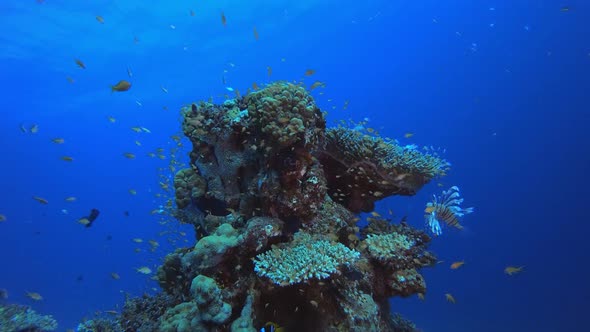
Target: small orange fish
[256, 33]
[100, 19]
[223, 19]
[80, 63]
[41, 200]
[121, 86]
[457, 265]
[309, 72]
[510, 270]
[450, 298]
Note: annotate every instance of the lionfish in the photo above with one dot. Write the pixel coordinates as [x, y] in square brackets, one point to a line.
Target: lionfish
[445, 207]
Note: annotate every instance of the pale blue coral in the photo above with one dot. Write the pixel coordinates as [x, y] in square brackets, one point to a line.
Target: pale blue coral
[316, 259]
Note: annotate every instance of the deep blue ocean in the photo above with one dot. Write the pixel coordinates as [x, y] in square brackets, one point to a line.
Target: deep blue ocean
[503, 86]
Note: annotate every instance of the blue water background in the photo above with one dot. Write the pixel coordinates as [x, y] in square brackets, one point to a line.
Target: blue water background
[502, 85]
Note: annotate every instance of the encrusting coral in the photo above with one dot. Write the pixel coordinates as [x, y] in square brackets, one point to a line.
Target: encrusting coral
[272, 195]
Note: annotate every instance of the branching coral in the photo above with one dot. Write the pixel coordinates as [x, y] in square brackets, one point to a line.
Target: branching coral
[21, 318]
[309, 259]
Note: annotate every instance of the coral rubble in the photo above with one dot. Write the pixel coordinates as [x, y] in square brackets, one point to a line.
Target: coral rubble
[272, 194]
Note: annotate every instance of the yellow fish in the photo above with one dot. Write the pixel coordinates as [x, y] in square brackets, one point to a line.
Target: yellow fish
[510, 270]
[111, 119]
[121, 86]
[70, 199]
[132, 192]
[34, 296]
[408, 135]
[40, 200]
[58, 140]
[34, 129]
[316, 84]
[129, 155]
[450, 298]
[137, 240]
[136, 129]
[144, 270]
[84, 221]
[457, 265]
[138, 143]
[100, 19]
[80, 63]
[67, 158]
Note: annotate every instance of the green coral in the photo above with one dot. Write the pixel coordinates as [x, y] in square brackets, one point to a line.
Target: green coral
[283, 112]
[188, 184]
[244, 322]
[211, 249]
[181, 318]
[208, 297]
[387, 246]
[306, 260]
